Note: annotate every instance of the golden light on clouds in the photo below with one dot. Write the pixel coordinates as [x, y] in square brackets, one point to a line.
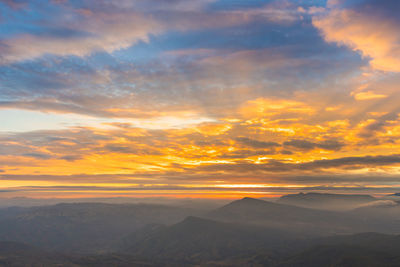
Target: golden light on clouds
[368, 33]
[368, 95]
[199, 98]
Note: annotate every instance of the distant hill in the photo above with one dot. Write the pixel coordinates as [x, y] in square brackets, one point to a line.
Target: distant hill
[250, 209]
[196, 240]
[185, 202]
[394, 197]
[291, 218]
[383, 216]
[336, 202]
[183, 246]
[82, 227]
[341, 256]
[13, 254]
[245, 232]
[18, 254]
[366, 249]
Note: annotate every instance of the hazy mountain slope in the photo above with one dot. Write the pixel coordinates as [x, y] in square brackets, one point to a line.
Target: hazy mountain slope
[341, 256]
[217, 244]
[290, 218]
[107, 260]
[361, 250]
[200, 204]
[246, 232]
[256, 209]
[383, 218]
[196, 240]
[326, 201]
[394, 197]
[18, 254]
[85, 227]
[13, 254]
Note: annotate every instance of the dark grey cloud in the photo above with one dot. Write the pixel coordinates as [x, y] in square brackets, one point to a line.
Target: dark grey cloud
[379, 125]
[37, 155]
[255, 143]
[307, 185]
[242, 154]
[71, 157]
[80, 178]
[316, 165]
[361, 162]
[210, 142]
[135, 150]
[301, 144]
[307, 145]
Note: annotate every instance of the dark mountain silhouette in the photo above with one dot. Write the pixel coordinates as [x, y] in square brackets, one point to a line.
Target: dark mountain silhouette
[326, 201]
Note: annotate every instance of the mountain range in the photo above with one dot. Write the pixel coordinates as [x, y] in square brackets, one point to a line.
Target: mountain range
[245, 232]
[324, 201]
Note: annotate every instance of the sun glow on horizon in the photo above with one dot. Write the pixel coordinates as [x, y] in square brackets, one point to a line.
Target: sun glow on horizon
[210, 98]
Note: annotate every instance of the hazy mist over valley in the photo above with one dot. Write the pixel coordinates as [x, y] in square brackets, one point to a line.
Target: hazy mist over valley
[305, 229]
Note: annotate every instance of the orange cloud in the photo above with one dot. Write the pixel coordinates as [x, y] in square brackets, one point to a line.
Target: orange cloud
[368, 95]
[374, 37]
[268, 141]
[105, 32]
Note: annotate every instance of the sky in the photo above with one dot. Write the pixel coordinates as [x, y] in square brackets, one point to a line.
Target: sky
[200, 98]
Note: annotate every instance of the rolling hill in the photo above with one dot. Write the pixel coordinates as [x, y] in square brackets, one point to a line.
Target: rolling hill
[309, 222]
[323, 201]
[196, 240]
[83, 227]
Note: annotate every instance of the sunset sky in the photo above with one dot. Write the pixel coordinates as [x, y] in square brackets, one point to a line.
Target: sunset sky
[199, 98]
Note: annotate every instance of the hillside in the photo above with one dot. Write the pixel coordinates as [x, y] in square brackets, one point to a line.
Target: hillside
[290, 218]
[198, 240]
[83, 227]
[366, 249]
[337, 202]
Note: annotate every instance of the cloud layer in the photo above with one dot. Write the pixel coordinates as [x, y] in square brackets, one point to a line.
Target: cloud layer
[370, 28]
[206, 96]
